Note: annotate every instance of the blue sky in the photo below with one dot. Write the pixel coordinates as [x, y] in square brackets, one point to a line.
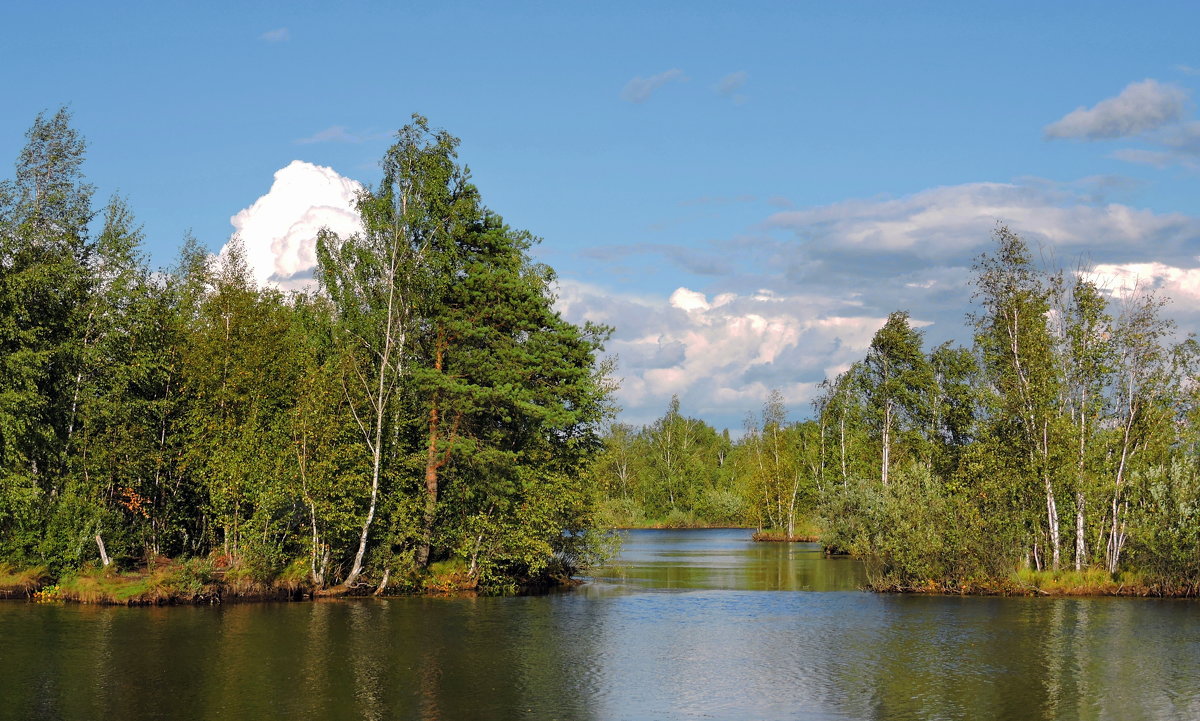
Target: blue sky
[744, 192]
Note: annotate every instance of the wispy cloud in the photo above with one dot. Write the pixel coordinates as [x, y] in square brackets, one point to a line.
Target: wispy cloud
[1139, 108]
[730, 86]
[278, 35]
[1156, 158]
[340, 134]
[640, 89]
[686, 258]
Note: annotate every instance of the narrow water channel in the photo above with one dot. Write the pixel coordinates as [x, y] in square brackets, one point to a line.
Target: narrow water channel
[686, 625]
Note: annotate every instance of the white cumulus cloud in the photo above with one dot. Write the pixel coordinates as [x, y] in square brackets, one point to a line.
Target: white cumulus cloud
[722, 355]
[279, 231]
[1182, 285]
[1140, 107]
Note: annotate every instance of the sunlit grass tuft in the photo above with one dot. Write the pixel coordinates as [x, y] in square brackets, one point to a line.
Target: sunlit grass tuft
[17, 582]
[162, 582]
[1087, 582]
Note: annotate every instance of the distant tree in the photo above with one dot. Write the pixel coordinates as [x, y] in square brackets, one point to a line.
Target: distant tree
[897, 380]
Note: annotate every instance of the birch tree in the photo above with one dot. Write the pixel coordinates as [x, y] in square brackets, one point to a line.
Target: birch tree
[1018, 357]
[897, 379]
[1141, 398]
[1087, 356]
[376, 279]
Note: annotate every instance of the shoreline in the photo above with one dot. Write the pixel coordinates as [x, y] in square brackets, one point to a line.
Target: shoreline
[191, 583]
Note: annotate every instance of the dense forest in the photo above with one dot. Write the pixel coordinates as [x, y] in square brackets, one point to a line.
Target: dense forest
[423, 413]
[1065, 441]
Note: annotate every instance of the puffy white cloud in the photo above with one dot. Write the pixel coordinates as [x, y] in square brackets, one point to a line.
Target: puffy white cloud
[639, 89]
[1124, 279]
[279, 231]
[1140, 107]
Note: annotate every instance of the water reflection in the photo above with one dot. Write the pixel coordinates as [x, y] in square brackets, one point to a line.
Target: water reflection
[725, 559]
[681, 628]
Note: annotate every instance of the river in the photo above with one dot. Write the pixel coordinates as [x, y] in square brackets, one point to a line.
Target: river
[686, 625]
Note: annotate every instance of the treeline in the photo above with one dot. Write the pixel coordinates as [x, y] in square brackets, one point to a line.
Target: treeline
[681, 472]
[1065, 439]
[425, 407]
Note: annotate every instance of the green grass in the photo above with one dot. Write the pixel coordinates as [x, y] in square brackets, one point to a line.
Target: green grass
[682, 519]
[451, 576]
[1029, 582]
[16, 582]
[1088, 582]
[164, 581]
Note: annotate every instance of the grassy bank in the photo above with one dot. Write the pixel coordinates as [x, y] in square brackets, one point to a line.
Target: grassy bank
[165, 581]
[783, 537]
[21, 582]
[1028, 582]
[214, 580]
[662, 525]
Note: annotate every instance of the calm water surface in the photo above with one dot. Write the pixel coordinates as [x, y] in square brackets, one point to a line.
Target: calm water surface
[688, 625]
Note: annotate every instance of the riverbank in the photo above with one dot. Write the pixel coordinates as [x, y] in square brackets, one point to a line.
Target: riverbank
[661, 525]
[163, 582]
[207, 581]
[781, 537]
[1087, 583]
[21, 582]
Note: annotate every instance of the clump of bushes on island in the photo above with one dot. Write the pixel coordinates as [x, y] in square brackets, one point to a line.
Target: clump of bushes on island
[1058, 454]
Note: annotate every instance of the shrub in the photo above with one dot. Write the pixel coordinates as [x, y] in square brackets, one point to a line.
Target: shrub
[721, 507]
[679, 518]
[619, 513]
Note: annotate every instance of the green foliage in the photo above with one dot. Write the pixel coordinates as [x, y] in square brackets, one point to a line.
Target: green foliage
[1065, 437]
[289, 437]
[427, 414]
[1165, 528]
[721, 507]
[620, 513]
[679, 518]
[677, 463]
